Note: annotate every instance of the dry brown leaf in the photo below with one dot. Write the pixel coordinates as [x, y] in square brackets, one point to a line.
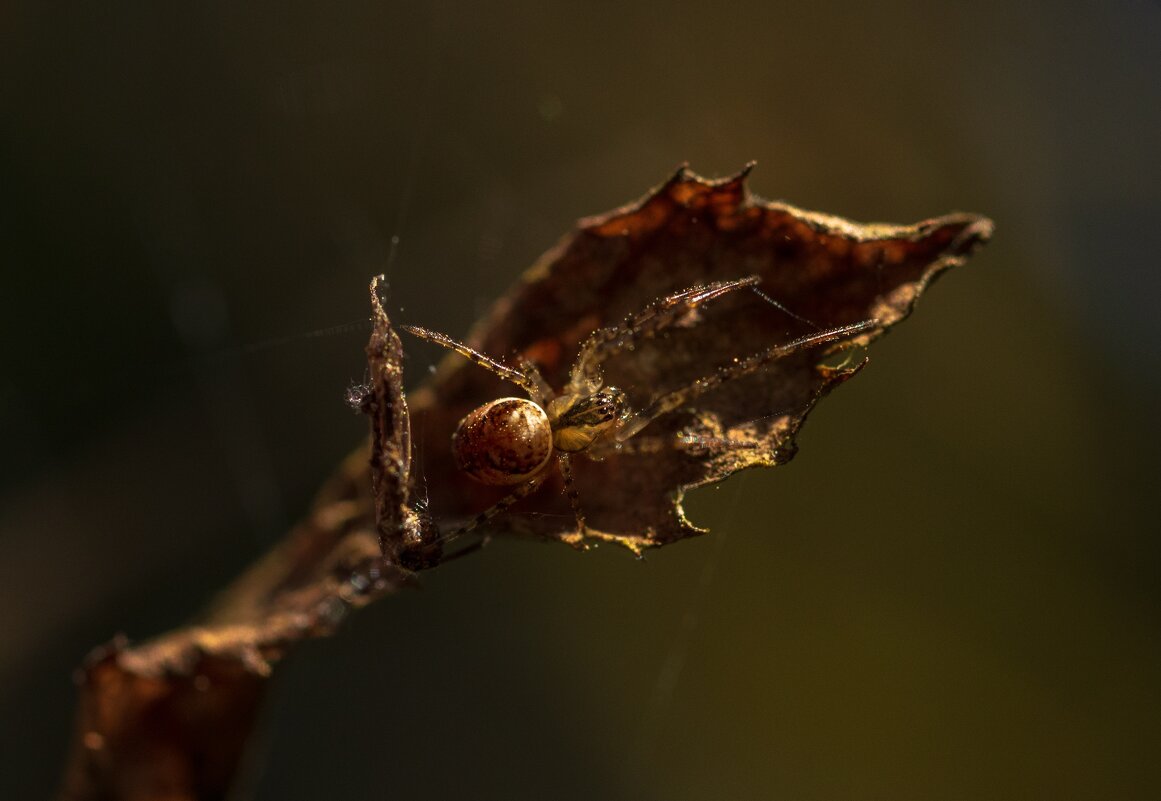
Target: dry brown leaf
[170, 718]
[690, 231]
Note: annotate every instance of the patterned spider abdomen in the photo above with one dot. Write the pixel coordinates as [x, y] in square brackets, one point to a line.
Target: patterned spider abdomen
[507, 441]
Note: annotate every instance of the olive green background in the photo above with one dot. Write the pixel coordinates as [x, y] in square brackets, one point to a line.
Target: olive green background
[951, 593]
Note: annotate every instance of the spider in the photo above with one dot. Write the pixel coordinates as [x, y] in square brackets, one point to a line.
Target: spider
[513, 441]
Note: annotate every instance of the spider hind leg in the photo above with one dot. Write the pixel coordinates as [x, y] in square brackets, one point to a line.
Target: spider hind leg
[529, 385]
[523, 491]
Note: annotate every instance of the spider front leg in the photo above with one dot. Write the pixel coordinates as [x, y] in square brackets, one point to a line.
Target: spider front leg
[585, 377]
[674, 400]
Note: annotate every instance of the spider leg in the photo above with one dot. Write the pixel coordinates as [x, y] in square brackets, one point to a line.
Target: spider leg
[518, 378]
[605, 342]
[478, 545]
[673, 400]
[523, 491]
[543, 392]
[573, 496]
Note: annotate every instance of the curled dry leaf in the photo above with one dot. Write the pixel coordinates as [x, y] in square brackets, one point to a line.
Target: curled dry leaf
[170, 718]
[823, 271]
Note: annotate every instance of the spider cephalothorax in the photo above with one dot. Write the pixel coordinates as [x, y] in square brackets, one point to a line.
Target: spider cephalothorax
[578, 420]
[512, 441]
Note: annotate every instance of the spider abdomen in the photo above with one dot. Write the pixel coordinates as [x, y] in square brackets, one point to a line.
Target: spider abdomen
[506, 441]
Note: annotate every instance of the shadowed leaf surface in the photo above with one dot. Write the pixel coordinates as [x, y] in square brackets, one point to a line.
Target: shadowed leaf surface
[170, 718]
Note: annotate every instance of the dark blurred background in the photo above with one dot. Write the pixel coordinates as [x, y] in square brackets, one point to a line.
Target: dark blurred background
[951, 593]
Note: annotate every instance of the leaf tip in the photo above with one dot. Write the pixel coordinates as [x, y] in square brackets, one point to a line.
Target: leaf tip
[977, 233]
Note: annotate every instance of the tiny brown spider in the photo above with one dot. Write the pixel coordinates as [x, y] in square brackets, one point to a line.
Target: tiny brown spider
[512, 441]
